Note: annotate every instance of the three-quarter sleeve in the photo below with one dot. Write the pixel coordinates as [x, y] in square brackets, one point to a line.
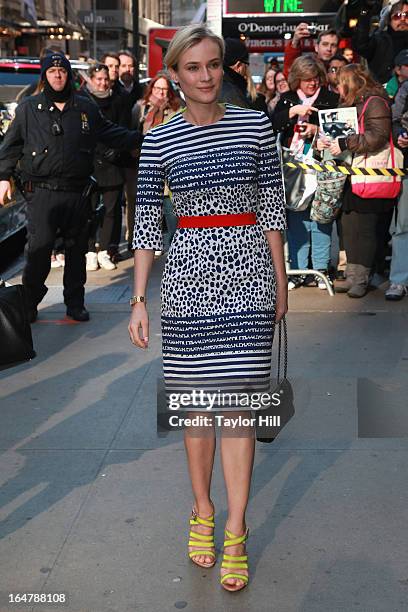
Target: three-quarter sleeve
[271, 213]
[149, 198]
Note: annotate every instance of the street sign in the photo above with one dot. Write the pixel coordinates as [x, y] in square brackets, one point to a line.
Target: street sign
[271, 27]
[278, 7]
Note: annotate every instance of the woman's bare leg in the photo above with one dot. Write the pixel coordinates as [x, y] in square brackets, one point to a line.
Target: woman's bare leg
[237, 456]
[200, 449]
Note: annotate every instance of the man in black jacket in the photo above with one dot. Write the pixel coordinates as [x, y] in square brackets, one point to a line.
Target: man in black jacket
[111, 61]
[234, 86]
[128, 81]
[381, 47]
[53, 138]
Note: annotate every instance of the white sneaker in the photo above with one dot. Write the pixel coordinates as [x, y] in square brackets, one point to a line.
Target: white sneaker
[395, 292]
[295, 282]
[91, 261]
[105, 261]
[322, 285]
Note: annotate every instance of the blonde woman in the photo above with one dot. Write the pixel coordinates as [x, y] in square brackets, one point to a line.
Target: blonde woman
[268, 87]
[257, 99]
[224, 284]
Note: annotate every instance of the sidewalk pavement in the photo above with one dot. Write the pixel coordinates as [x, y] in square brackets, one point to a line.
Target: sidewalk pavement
[94, 505]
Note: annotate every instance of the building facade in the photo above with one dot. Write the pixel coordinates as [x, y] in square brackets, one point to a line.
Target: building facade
[114, 24]
[74, 26]
[26, 26]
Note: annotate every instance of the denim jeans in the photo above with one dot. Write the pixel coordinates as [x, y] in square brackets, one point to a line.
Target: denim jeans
[399, 262]
[171, 221]
[305, 235]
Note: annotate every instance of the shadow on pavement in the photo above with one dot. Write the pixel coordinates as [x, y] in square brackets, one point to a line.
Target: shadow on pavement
[90, 431]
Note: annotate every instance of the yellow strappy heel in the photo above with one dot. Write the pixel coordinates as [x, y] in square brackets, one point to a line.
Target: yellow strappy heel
[203, 542]
[234, 562]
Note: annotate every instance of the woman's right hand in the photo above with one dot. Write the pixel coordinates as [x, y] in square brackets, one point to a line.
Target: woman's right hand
[402, 142]
[302, 110]
[139, 319]
[5, 192]
[335, 147]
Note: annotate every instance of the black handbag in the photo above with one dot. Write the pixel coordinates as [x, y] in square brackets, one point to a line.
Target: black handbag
[271, 420]
[294, 181]
[16, 343]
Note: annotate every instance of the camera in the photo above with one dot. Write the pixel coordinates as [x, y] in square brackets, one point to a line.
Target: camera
[312, 29]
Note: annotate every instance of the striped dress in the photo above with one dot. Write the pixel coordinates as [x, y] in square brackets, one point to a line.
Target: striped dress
[218, 287]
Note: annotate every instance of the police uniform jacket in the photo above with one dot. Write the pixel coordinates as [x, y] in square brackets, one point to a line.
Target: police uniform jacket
[59, 146]
[108, 171]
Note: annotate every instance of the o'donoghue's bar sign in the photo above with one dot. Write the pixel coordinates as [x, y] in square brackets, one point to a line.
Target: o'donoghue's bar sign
[267, 8]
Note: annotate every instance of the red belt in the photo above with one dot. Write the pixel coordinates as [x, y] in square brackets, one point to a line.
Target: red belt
[248, 218]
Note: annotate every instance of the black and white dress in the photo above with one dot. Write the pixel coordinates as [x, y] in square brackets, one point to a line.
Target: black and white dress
[218, 287]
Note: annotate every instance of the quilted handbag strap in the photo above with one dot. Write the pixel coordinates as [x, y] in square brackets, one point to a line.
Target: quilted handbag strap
[282, 352]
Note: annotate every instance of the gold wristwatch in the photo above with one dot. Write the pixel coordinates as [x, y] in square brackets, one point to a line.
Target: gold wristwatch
[136, 299]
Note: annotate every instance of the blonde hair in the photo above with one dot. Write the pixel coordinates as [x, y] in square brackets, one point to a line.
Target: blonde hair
[357, 83]
[251, 88]
[188, 37]
[306, 67]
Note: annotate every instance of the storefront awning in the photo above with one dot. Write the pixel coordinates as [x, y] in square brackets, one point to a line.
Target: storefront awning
[53, 29]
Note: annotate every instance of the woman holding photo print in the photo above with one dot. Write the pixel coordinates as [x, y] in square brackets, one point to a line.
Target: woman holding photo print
[224, 284]
[296, 119]
[363, 219]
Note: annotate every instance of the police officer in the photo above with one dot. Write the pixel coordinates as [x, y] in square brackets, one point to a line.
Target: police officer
[53, 138]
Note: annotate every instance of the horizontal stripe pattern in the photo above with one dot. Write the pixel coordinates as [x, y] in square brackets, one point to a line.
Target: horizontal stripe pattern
[222, 352]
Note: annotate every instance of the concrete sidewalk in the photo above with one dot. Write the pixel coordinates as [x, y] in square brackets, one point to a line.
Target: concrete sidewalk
[94, 505]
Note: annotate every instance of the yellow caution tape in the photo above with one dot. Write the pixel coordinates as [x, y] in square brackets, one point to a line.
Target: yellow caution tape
[348, 170]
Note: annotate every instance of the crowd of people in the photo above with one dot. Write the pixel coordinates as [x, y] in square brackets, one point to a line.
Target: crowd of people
[371, 228]
[291, 95]
[372, 77]
[112, 85]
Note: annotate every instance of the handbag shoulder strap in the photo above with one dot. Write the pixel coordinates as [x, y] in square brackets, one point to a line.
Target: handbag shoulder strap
[361, 118]
[361, 126]
[282, 335]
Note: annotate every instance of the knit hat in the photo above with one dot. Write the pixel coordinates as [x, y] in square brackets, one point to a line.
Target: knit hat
[235, 51]
[55, 59]
[401, 59]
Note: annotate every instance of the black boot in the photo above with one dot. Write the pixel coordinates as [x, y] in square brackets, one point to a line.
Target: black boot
[78, 313]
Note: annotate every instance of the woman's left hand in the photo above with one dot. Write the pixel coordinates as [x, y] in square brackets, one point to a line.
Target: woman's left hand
[323, 143]
[281, 306]
[334, 147]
